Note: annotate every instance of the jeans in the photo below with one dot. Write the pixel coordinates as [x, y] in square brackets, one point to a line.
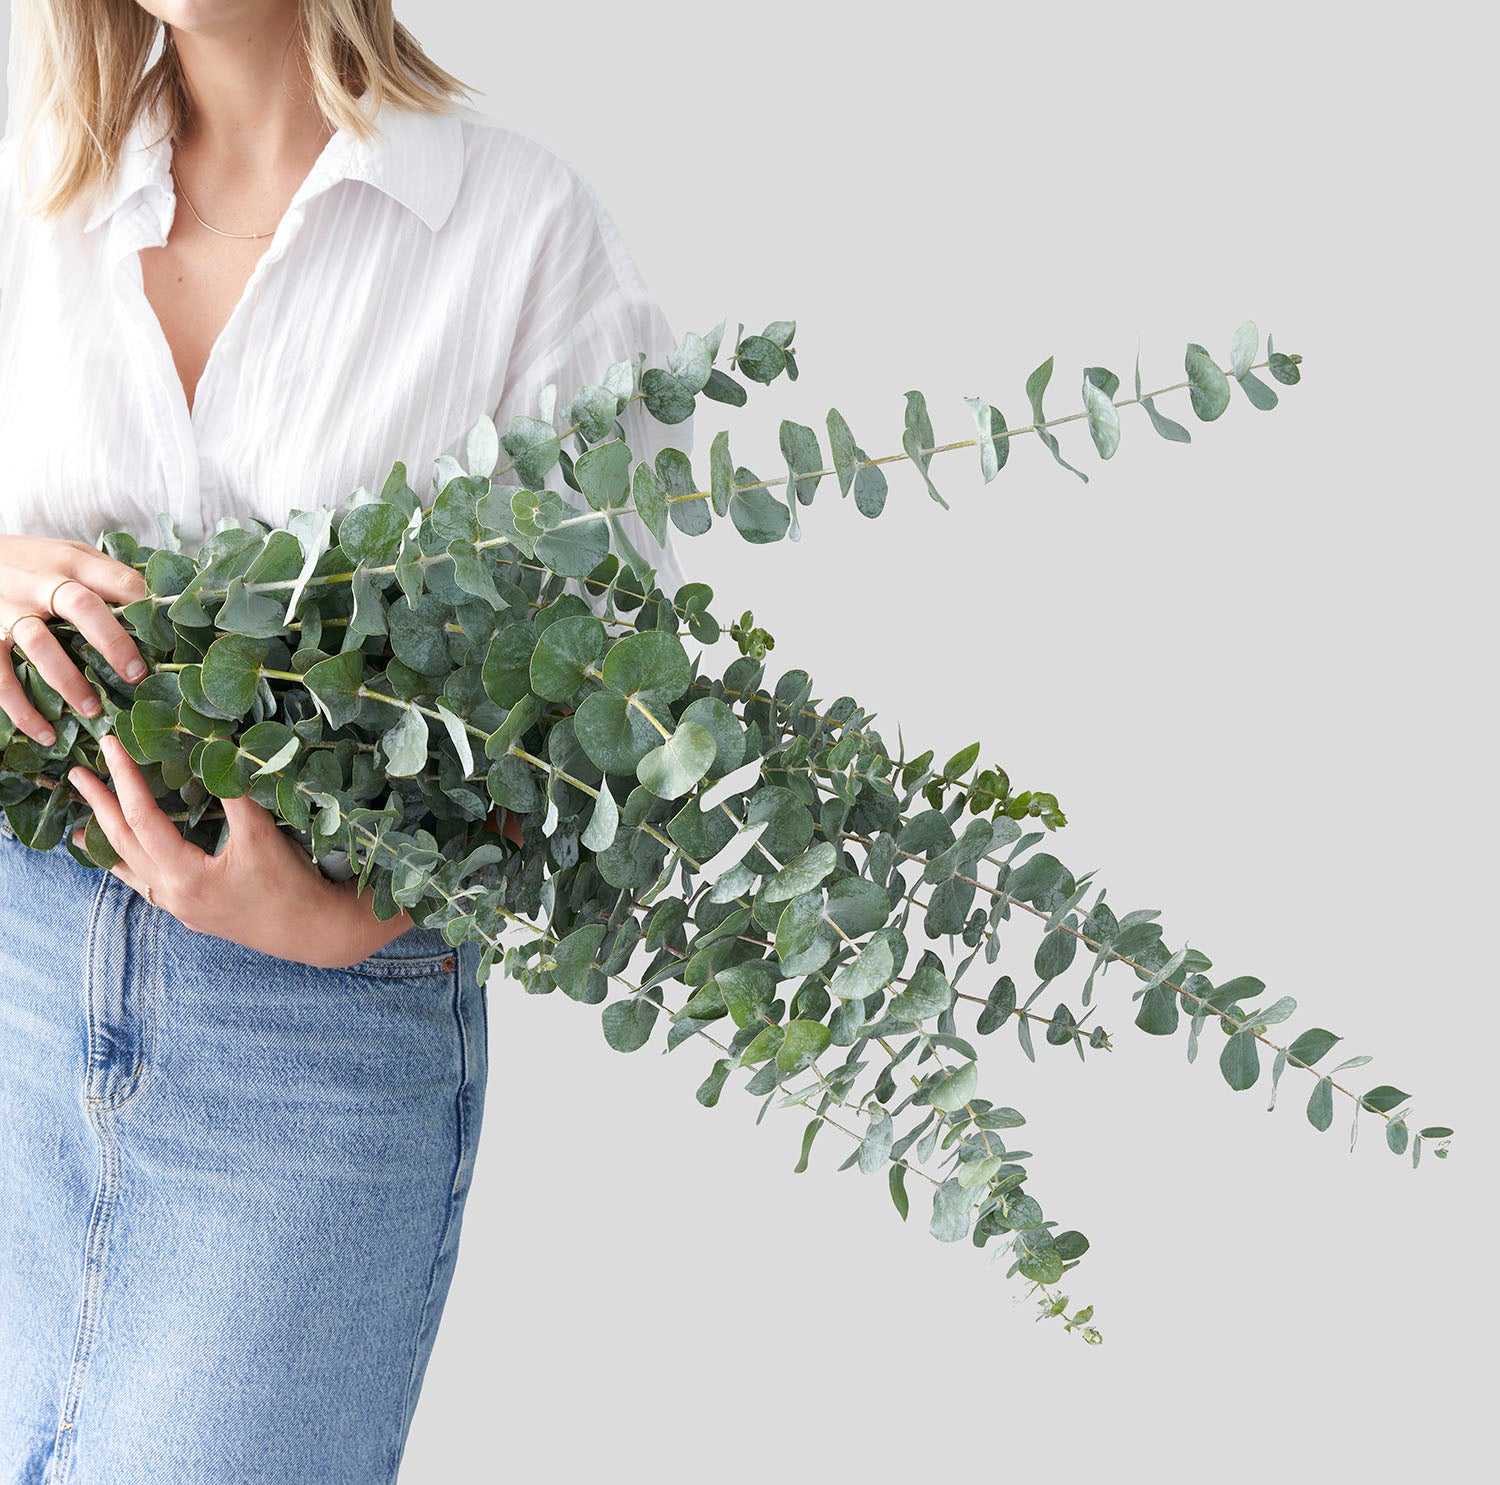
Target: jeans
[231, 1188]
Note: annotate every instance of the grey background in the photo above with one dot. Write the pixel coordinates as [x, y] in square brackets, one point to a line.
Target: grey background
[1257, 672]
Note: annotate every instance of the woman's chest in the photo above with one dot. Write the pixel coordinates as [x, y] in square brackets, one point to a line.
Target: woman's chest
[331, 359]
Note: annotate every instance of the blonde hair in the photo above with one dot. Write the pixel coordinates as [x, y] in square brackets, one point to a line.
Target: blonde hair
[88, 74]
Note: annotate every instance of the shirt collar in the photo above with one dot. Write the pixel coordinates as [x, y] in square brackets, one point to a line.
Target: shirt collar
[416, 158]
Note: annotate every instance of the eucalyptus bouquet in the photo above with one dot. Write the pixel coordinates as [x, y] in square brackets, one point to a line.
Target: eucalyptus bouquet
[722, 855]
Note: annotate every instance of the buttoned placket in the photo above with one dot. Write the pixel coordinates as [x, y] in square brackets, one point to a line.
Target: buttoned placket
[186, 435]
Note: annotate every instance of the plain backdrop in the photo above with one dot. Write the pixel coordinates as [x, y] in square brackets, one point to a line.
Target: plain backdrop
[1257, 671]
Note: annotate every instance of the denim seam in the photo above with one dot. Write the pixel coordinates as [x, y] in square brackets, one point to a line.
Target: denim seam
[412, 967]
[96, 1241]
[96, 1254]
[148, 1021]
[442, 1242]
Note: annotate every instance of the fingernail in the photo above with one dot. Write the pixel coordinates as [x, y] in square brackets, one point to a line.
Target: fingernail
[47, 737]
[91, 707]
[135, 670]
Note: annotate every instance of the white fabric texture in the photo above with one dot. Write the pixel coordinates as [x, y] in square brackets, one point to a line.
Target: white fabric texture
[452, 267]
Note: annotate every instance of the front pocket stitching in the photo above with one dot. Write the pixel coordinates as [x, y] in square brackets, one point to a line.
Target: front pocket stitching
[413, 967]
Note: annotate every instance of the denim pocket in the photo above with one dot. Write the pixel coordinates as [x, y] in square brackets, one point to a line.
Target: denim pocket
[416, 954]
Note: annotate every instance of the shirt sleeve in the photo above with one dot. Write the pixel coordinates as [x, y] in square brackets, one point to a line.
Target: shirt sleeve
[585, 308]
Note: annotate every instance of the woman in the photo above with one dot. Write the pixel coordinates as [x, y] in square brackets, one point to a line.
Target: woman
[239, 1113]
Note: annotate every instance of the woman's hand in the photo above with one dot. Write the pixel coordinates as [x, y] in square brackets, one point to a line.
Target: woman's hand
[31, 569]
[261, 890]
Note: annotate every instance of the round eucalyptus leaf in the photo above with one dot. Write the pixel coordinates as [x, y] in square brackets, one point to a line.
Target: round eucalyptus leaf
[565, 653]
[1208, 387]
[677, 764]
[613, 733]
[231, 672]
[653, 661]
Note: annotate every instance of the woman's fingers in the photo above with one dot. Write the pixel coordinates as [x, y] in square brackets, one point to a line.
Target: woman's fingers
[147, 822]
[44, 650]
[90, 615]
[111, 818]
[133, 880]
[111, 580]
[19, 707]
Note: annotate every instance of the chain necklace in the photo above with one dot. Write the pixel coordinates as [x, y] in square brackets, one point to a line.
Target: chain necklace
[201, 222]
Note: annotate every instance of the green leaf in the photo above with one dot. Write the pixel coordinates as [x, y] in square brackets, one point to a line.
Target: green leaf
[577, 975]
[243, 612]
[1283, 368]
[653, 661]
[231, 672]
[870, 970]
[613, 733]
[804, 1041]
[951, 1206]
[804, 459]
[604, 822]
[808, 1136]
[1312, 1045]
[1262, 396]
[952, 1091]
[574, 550]
[1240, 1061]
[649, 496]
[225, 771]
[1320, 1105]
[1242, 349]
[1383, 1099]
[1038, 1259]
[918, 441]
[928, 993]
[679, 763]
[1103, 419]
[1174, 432]
[710, 1088]
[1036, 386]
[760, 359]
[603, 474]
[336, 683]
[628, 1023]
[897, 1182]
[458, 735]
[1208, 387]
[801, 875]
[533, 447]
[564, 654]
[993, 440]
[875, 1147]
[757, 514]
[720, 473]
[405, 744]
[748, 989]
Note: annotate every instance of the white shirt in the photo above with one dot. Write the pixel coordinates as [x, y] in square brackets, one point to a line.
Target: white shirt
[451, 267]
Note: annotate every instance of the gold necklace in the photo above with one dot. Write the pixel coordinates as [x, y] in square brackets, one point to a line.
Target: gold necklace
[201, 222]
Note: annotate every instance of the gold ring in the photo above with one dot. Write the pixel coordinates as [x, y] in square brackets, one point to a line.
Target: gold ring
[52, 597]
[9, 630]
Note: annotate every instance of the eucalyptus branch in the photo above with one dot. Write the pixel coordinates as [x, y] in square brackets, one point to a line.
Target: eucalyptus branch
[385, 676]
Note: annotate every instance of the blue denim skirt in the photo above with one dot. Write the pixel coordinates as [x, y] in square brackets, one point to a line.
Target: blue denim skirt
[231, 1188]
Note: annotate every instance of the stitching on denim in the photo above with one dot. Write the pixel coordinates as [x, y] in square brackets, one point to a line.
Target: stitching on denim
[408, 1407]
[142, 1073]
[413, 966]
[88, 982]
[96, 1256]
[142, 1067]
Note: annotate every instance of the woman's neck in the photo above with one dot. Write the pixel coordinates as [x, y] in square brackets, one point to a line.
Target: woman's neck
[253, 116]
